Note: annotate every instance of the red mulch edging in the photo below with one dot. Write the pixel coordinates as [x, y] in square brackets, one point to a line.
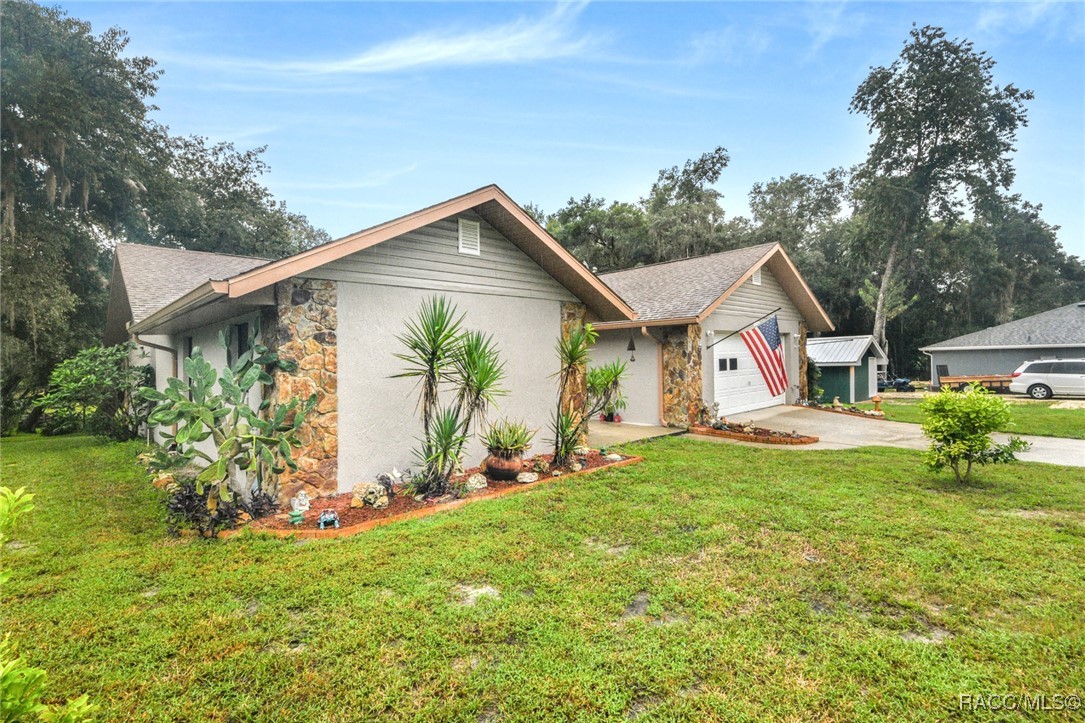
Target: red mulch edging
[353, 520]
[841, 411]
[772, 438]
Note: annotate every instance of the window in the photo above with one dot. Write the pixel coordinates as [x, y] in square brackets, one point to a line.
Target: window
[757, 277]
[728, 364]
[238, 343]
[1068, 368]
[470, 237]
[1039, 368]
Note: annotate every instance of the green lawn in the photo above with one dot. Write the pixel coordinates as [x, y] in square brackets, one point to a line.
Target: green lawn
[1029, 417]
[712, 582]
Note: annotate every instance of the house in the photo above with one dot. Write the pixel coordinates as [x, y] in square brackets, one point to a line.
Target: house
[687, 348]
[849, 366]
[338, 308]
[1055, 334]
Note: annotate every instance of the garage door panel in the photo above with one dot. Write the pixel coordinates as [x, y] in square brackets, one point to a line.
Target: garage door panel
[739, 384]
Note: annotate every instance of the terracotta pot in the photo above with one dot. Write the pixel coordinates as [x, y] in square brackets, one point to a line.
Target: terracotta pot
[504, 468]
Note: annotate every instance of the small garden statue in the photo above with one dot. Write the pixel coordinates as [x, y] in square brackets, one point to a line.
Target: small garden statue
[301, 502]
[329, 517]
[297, 517]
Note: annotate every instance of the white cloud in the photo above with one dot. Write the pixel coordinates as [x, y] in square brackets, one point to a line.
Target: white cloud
[523, 40]
[732, 44]
[1055, 18]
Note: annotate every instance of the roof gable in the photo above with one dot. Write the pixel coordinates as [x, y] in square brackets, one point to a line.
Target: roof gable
[828, 351]
[1064, 326]
[490, 203]
[689, 290]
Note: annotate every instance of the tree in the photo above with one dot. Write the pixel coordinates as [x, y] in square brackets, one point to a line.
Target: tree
[684, 212]
[605, 238]
[944, 132]
[790, 211]
[959, 425]
[83, 164]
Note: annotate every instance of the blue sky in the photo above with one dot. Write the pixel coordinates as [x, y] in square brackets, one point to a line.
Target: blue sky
[372, 110]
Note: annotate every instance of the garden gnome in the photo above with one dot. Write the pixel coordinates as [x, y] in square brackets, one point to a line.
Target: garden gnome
[301, 502]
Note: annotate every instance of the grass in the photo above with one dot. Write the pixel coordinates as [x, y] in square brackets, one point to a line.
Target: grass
[712, 582]
[1029, 417]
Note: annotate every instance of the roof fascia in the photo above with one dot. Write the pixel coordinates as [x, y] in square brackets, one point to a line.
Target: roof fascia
[1001, 346]
[638, 323]
[203, 294]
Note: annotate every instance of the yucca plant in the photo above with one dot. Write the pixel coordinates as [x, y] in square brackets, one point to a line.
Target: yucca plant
[440, 353]
[431, 340]
[605, 388]
[569, 426]
[479, 372]
[442, 447]
[507, 439]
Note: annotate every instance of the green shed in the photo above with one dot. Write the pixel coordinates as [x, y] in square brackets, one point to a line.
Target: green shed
[849, 366]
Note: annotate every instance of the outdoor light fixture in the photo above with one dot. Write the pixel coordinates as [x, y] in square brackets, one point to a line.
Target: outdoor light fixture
[632, 347]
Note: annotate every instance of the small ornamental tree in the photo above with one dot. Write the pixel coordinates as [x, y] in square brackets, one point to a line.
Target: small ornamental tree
[959, 425]
[570, 426]
[243, 439]
[96, 390]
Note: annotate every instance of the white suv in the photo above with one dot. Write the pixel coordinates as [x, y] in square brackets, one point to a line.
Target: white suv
[1050, 377]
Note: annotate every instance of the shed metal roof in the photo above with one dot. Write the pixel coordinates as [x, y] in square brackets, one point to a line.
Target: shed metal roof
[1064, 326]
[844, 351]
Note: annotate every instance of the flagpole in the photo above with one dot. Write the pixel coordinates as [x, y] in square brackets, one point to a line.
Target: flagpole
[743, 328]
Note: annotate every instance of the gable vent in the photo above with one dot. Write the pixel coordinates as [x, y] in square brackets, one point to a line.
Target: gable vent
[470, 241]
[757, 277]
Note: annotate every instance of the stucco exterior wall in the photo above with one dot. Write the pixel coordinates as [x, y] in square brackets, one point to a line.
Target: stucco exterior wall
[995, 361]
[749, 302]
[378, 418]
[641, 386]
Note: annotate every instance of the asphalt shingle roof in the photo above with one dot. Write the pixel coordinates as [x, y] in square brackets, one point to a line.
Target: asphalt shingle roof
[685, 288]
[155, 276]
[1064, 325]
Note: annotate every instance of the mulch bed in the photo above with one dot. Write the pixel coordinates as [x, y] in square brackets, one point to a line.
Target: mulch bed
[353, 520]
[749, 433]
[850, 411]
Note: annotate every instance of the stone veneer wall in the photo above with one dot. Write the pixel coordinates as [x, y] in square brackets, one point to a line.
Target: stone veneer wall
[576, 393]
[304, 323]
[804, 386]
[682, 388]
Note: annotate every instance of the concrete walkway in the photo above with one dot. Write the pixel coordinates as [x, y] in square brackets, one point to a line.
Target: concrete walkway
[608, 434]
[842, 431]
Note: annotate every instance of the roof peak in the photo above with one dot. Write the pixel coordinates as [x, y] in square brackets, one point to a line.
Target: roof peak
[688, 258]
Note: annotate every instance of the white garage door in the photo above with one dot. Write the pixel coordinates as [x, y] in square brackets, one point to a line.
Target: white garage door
[738, 382]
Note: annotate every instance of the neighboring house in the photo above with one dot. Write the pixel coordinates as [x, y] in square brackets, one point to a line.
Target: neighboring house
[1055, 334]
[686, 334]
[337, 309]
[849, 366]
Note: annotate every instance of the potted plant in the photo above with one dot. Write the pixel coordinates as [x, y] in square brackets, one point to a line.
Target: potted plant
[605, 395]
[506, 441]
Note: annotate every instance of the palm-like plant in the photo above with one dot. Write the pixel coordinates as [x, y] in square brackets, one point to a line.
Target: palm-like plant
[440, 353]
[431, 340]
[569, 425]
[479, 371]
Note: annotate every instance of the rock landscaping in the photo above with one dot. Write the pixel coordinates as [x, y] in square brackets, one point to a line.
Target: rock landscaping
[750, 433]
[372, 504]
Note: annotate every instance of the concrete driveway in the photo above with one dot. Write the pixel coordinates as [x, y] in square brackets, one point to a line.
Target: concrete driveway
[843, 431]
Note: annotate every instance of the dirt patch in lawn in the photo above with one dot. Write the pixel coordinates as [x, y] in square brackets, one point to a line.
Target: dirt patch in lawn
[750, 433]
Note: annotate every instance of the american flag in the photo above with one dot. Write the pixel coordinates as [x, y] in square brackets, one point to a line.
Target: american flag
[763, 341]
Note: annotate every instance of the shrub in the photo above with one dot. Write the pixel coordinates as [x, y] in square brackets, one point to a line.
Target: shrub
[507, 439]
[959, 425]
[187, 508]
[813, 376]
[97, 391]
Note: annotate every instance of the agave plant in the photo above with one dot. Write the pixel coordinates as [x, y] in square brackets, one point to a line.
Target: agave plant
[507, 438]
